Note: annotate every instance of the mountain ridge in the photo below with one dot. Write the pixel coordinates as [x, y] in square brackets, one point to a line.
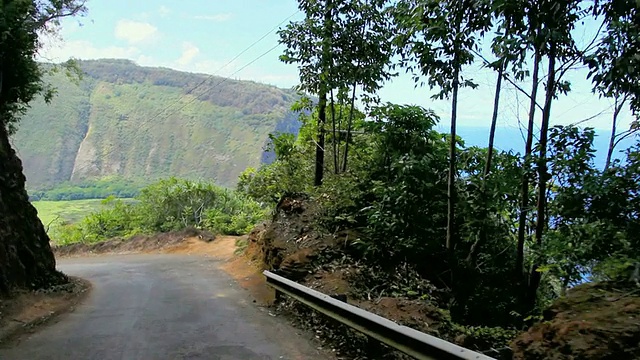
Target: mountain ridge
[145, 122]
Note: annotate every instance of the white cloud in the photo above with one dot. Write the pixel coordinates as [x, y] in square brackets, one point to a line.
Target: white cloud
[80, 49]
[216, 17]
[134, 31]
[144, 60]
[164, 11]
[189, 51]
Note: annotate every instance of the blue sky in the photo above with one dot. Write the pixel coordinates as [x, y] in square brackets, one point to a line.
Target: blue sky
[203, 36]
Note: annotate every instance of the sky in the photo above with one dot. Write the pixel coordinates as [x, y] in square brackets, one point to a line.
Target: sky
[204, 36]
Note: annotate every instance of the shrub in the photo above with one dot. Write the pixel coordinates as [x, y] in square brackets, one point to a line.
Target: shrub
[167, 205]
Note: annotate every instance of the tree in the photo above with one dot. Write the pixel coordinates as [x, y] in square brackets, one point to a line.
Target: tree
[309, 44]
[614, 67]
[362, 56]
[558, 20]
[615, 138]
[436, 39]
[341, 45]
[24, 246]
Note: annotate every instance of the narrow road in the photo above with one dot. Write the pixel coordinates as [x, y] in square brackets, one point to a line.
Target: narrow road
[162, 307]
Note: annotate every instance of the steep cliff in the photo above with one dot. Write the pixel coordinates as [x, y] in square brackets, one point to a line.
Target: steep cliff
[146, 123]
[26, 259]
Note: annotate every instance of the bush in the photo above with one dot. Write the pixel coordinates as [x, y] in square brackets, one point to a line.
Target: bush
[167, 205]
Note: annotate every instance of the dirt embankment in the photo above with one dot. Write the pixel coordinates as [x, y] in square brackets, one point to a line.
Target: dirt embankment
[25, 311]
[594, 321]
[135, 244]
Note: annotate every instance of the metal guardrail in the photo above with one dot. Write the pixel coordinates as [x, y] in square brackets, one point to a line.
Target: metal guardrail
[409, 341]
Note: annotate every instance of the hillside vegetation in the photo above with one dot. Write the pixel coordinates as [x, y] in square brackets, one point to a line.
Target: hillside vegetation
[167, 205]
[146, 123]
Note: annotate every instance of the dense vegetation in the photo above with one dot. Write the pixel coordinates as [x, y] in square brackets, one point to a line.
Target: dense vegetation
[89, 189]
[502, 233]
[170, 204]
[134, 122]
[27, 260]
[54, 213]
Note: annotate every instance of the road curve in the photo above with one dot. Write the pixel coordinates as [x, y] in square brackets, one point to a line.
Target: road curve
[162, 307]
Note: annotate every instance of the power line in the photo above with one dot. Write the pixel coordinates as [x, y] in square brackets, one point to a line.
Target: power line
[205, 80]
[227, 64]
[224, 80]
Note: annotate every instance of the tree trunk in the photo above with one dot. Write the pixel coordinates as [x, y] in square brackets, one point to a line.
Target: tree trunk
[349, 127]
[614, 125]
[535, 276]
[322, 104]
[340, 134]
[334, 140]
[473, 251]
[524, 201]
[451, 183]
[494, 120]
[26, 259]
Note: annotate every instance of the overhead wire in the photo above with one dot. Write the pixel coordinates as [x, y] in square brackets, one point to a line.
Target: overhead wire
[204, 81]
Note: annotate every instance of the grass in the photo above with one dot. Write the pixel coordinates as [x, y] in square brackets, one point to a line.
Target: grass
[55, 212]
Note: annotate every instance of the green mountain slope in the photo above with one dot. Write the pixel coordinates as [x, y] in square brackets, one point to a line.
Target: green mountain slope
[144, 123]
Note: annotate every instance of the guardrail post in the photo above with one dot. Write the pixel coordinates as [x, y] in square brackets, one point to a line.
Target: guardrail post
[279, 297]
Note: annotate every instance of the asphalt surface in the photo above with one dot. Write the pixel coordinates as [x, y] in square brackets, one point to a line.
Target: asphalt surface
[162, 307]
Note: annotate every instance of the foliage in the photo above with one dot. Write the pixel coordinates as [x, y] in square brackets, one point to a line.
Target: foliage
[170, 204]
[374, 282]
[482, 338]
[54, 213]
[435, 37]
[90, 189]
[21, 22]
[614, 66]
[409, 164]
[359, 34]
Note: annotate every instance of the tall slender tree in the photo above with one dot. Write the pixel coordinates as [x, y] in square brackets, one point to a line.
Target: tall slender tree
[614, 67]
[558, 19]
[309, 44]
[619, 103]
[341, 44]
[437, 39]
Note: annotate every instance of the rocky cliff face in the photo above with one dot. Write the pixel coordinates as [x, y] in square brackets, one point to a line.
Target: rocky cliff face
[144, 123]
[26, 259]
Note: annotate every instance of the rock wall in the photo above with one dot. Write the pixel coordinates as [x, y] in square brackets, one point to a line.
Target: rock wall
[26, 259]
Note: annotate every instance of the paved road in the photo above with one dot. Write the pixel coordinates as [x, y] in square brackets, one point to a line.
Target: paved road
[162, 307]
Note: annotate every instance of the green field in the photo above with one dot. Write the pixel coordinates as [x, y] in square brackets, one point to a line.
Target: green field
[55, 212]
[51, 212]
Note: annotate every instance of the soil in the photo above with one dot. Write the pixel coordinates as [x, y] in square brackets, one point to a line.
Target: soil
[136, 244]
[27, 310]
[290, 241]
[594, 321]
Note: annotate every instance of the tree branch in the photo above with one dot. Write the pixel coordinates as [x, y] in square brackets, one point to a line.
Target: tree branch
[506, 77]
[59, 14]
